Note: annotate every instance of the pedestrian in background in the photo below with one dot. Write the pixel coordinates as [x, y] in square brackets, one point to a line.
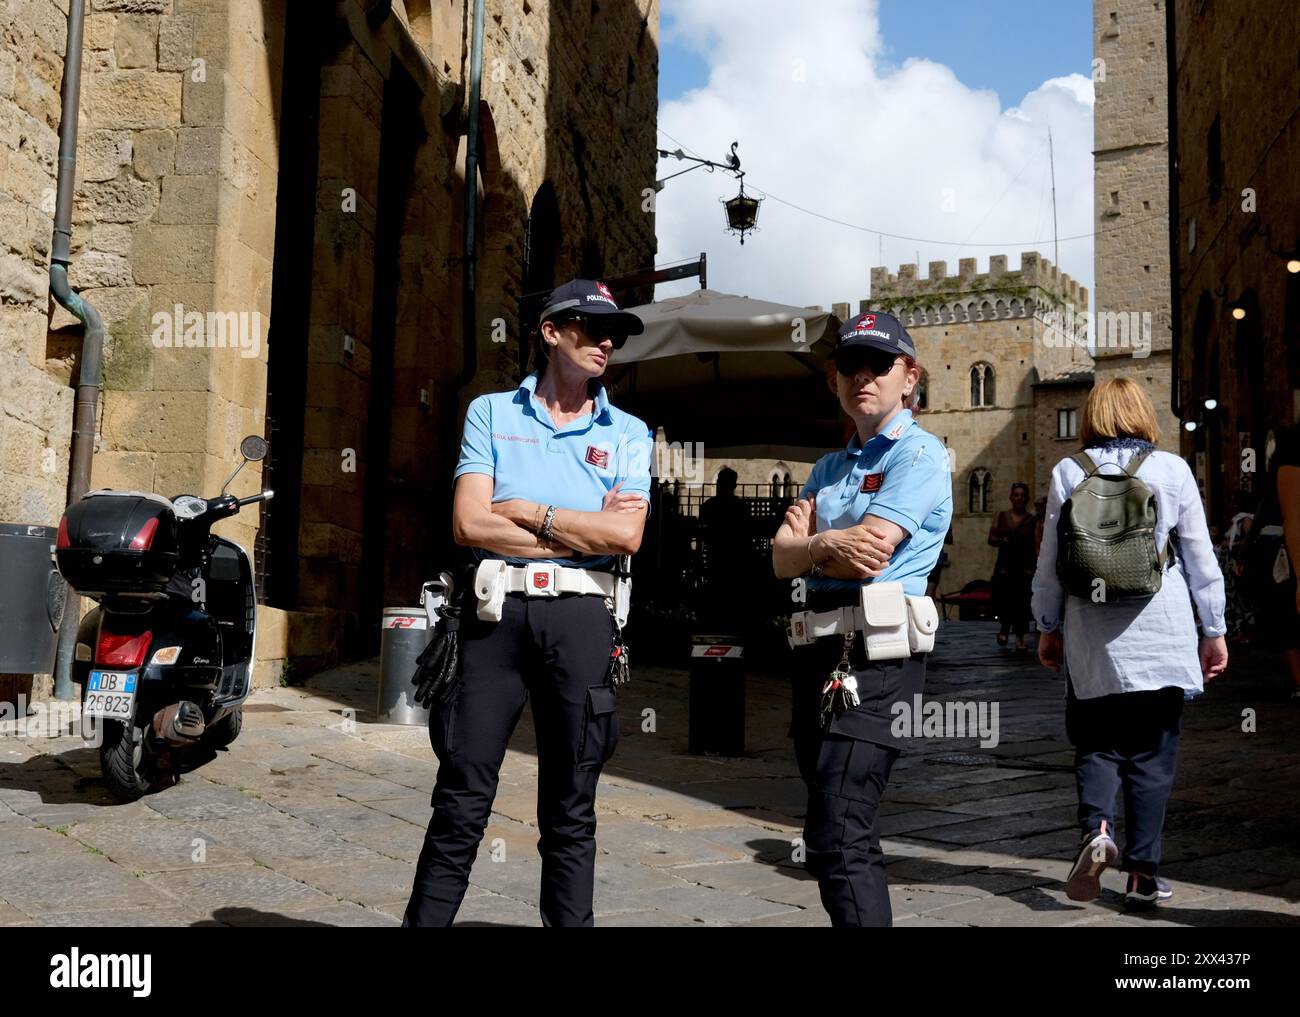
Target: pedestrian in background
[1130, 662]
[1271, 553]
[1013, 534]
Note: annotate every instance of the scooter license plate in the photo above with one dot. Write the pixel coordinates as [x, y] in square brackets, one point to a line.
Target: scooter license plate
[110, 694]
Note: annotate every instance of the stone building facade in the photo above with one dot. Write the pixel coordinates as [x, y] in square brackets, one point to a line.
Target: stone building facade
[1131, 201]
[269, 216]
[987, 343]
[1237, 232]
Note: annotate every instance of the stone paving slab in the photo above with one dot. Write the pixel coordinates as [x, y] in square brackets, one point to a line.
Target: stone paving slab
[315, 817]
[44, 882]
[212, 887]
[156, 845]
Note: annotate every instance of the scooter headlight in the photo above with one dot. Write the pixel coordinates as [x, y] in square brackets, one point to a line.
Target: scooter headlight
[167, 655]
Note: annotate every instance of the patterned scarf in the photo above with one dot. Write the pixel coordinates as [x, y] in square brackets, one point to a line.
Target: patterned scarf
[1127, 442]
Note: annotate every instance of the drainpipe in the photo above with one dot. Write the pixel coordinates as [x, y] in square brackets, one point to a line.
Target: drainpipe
[469, 267]
[469, 264]
[89, 370]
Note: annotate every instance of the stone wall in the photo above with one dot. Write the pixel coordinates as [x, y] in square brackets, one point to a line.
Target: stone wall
[1238, 218]
[35, 397]
[175, 231]
[1049, 446]
[1131, 193]
[568, 102]
[1017, 323]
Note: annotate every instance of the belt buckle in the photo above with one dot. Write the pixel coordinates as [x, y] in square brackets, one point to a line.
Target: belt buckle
[542, 580]
[797, 631]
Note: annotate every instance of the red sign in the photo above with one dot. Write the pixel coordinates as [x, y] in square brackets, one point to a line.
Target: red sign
[541, 580]
[871, 482]
[597, 457]
[717, 651]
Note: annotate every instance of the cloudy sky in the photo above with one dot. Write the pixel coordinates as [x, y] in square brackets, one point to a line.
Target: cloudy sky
[926, 119]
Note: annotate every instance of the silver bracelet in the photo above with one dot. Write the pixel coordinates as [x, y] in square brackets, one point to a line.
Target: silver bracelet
[544, 534]
[817, 569]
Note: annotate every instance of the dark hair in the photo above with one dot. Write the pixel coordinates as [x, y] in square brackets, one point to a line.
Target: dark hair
[1022, 486]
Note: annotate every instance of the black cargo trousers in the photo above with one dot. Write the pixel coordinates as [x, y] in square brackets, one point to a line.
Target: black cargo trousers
[846, 766]
[554, 651]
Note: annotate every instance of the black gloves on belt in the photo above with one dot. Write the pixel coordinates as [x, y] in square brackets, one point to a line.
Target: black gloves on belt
[438, 666]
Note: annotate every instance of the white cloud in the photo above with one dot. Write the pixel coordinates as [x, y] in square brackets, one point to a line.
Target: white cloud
[825, 124]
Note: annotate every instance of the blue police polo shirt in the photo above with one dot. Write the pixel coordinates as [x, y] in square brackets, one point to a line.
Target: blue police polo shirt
[510, 437]
[901, 474]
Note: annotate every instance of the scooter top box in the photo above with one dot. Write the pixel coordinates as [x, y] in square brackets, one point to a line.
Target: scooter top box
[118, 542]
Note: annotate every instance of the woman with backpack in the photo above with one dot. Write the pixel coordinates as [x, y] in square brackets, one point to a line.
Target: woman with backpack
[1125, 541]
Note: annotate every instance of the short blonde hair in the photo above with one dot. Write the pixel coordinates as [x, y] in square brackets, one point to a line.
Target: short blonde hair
[1118, 408]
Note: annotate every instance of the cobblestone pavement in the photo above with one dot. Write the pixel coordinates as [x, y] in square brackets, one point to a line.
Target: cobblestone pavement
[313, 819]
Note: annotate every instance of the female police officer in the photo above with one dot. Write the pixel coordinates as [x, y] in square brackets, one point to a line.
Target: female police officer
[553, 482]
[873, 513]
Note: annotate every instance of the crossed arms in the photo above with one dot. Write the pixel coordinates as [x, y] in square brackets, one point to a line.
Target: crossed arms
[510, 527]
[857, 552]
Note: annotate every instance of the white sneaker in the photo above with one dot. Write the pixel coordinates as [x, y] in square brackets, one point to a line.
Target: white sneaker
[1098, 851]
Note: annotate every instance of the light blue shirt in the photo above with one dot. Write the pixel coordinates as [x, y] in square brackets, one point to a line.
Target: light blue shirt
[901, 474]
[1145, 643]
[510, 437]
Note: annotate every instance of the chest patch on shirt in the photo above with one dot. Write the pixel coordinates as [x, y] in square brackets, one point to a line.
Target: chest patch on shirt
[597, 457]
[871, 482]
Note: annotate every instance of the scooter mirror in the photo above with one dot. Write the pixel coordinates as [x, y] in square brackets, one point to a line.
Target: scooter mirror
[253, 448]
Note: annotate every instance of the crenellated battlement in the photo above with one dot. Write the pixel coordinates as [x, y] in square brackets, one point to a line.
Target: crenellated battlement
[974, 296]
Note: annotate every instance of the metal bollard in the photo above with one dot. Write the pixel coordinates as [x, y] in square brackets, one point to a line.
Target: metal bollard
[404, 634]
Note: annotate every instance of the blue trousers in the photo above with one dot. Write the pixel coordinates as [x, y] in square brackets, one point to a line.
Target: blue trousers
[1126, 742]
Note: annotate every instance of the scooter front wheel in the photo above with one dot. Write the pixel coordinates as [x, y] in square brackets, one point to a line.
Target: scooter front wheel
[128, 764]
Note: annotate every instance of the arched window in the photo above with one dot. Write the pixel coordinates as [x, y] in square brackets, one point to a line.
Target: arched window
[981, 385]
[978, 490]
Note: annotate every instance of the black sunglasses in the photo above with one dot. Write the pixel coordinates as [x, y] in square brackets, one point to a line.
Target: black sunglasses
[595, 331]
[878, 362]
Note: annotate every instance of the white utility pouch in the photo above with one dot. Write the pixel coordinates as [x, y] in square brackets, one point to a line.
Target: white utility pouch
[622, 599]
[436, 593]
[884, 621]
[490, 588]
[922, 623]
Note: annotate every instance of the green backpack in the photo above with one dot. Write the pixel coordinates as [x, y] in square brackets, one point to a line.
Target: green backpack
[1107, 531]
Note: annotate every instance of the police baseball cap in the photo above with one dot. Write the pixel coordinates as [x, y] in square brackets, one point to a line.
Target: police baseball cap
[587, 296]
[874, 330]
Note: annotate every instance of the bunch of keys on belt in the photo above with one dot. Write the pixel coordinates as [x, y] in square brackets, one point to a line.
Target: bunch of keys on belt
[619, 669]
[840, 690]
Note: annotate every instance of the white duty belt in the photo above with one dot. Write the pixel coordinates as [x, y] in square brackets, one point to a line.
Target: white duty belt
[493, 579]
[550, 580]
[893, 624]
